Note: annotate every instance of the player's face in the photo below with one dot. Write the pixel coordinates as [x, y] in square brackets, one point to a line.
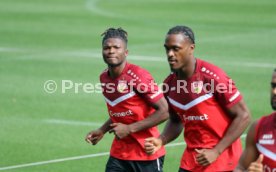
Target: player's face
[273, 91]
[114, 52]
[179, 51]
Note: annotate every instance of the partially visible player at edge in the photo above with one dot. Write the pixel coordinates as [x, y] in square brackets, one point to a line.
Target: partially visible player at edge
[260, 151]
[211, 109]
[135, 106]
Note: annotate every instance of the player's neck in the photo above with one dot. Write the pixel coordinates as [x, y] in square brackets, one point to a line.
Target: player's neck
[115, 71]
[187, 71]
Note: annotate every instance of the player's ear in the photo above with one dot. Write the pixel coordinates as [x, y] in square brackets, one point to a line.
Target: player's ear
[126, 52]
[192, 48]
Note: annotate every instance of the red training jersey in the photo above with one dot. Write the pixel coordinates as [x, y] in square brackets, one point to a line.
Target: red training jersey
[265, 141]
[201, 102]
[128, 98]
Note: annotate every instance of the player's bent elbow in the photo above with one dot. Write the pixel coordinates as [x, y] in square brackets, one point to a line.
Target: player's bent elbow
[246, 118]
[165, 116]
[163, 110]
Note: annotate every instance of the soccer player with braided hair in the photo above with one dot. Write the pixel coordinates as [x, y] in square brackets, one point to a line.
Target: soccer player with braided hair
[135, 106]
[206, 103]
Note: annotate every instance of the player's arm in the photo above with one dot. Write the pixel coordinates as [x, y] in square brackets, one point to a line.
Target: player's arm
[159, 116]
[171, 131]
[95, 136]
[231, 101]
[250, 154]
[241, 119]
[106, 126]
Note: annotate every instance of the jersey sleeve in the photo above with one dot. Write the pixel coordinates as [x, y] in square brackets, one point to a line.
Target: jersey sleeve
[147, 87]
[226, 91]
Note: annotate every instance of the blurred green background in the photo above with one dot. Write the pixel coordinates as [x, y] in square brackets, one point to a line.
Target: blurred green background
[59, 40]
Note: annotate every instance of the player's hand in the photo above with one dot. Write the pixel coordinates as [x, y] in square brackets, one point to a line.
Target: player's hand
[120, 130]
[206, 156]
[256, 166]
[94, 137]
[152, 145]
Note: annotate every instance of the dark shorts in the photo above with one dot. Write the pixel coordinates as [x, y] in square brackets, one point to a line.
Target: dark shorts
[182, 170]
[117, 165]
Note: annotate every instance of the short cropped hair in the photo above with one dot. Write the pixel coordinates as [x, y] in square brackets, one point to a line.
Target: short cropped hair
[186, 31]
[115, 33]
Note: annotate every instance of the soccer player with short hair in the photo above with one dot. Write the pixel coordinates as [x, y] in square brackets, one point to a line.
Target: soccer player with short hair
[135, 106]
[206, 103]
[260, 151]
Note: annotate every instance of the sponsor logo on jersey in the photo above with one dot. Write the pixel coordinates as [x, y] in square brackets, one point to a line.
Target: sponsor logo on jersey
[203, 117]
[120, 114]
[122, 86]
[197, 87]
[267, 139]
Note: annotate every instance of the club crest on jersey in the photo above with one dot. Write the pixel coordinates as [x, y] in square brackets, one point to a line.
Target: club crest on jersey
[197, 87]
[122, 86]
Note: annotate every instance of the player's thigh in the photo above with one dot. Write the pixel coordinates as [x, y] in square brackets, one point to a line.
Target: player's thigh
[116, 165]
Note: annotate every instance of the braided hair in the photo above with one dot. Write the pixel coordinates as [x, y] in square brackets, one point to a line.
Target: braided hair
[186, 31]
[115, 33]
